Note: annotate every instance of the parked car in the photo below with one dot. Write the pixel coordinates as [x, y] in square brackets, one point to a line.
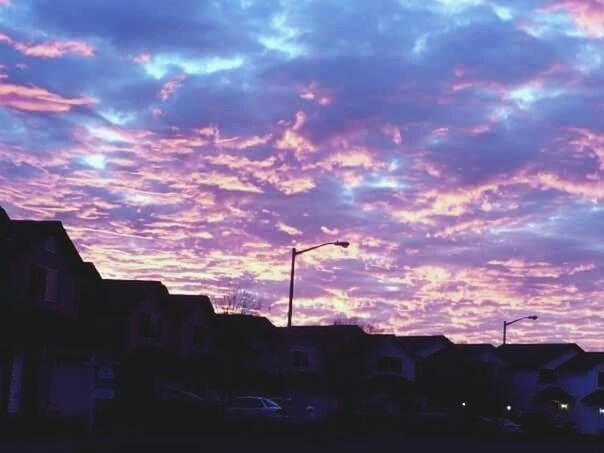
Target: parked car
[507, 426]
[182, 408]
[253, 408]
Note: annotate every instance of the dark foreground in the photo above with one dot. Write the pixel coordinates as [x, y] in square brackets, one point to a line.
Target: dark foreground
[300, 442]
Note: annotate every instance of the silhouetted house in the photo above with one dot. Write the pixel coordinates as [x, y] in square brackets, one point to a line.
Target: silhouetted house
[246, 350]
[192, 317]
[379, 375]
[44, 345]
[582, 378]
[133, 318]
[317, 366]
[464, 378]
[531, 383]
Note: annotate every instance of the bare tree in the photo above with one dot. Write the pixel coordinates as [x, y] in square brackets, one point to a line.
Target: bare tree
[242, 301]
[368, 327]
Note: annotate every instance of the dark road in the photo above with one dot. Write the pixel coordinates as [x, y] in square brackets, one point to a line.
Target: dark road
[261, 442]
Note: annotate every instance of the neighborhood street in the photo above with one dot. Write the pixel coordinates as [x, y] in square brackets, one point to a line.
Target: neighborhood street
[264, 442]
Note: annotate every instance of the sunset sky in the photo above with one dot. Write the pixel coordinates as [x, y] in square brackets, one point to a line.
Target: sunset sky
[457, 144]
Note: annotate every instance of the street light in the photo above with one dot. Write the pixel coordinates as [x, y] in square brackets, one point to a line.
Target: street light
[509, 323]
[295, 253]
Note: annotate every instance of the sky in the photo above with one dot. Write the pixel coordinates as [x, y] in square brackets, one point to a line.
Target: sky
[457, 144]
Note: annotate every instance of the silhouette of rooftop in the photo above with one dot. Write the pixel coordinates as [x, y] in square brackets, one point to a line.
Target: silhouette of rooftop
[24, 234]
[535, 355]
[332, 335]
[582, 362]
[417, 344]
[595, 398]
[188, 302]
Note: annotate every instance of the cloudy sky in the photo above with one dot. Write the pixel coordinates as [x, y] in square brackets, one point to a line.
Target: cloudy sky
[457, 144]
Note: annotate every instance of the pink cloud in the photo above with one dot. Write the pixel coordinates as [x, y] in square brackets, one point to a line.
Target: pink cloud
[293, 139]
[312, 92]
[50, 49]
[4, 2]
[393, 132]
[56, 49]
[170, 87]
[142, 58]
[588, 15]
[35, 99]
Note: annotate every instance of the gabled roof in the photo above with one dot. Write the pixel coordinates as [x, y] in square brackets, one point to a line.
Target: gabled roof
[131, 291]
[242, 323]
[324, 337]
[582, 362]
[238, 329]
[187, 303]
[466, 353]
[418, 345]
[595, 398]
[4, 218]
[90, 271]
[554, 394]
[535, 355]
[24, 234]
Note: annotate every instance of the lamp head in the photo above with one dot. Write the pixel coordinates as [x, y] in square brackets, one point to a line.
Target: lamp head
[533, 317]
[344, 244]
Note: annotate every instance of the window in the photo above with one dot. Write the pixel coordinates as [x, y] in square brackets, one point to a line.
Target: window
[199, 337]
[387, 364]
[147, 327]
[300, 359]
[601, 379]
[547, 376]
[44, 284]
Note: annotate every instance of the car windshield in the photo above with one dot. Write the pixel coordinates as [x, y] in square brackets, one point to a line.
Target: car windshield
[270, 403]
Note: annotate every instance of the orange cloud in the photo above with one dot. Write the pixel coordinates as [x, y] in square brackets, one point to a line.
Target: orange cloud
[292, 139]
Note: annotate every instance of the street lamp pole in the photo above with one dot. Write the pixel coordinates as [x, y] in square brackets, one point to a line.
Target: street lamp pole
[509, 323]
[295, 253]
[291, 288]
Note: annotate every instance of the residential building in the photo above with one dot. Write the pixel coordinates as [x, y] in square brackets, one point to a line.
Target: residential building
[531, 382]
[45, 343]
[463, 378]
[582, 378]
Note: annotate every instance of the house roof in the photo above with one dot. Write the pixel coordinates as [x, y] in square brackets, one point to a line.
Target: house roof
[554, 394]
[595, 398]
[242, 323]
[90, 271]
[24, 234]
[582, 362]
[466, 353]
[325, 337]
[131, 292]
[535, 355]
[4, 218]
[187, 303]
[239, 329]
[419, 344]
